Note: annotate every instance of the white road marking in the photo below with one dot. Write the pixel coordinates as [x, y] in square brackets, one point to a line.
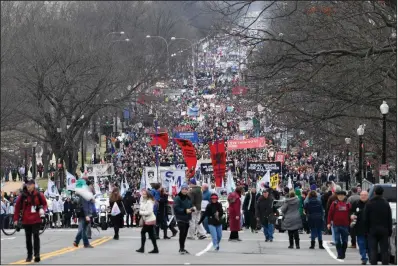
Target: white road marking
[187, 263]
[9, 238]
[209, 246]
[325, 245]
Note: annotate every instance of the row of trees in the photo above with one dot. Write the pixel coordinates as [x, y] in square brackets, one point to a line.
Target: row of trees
[322, 66]
[63, 62]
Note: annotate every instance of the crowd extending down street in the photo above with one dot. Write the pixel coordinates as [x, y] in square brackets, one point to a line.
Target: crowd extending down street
[305, 198]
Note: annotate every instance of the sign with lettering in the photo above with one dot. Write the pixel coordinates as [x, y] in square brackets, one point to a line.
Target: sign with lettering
[260, 168]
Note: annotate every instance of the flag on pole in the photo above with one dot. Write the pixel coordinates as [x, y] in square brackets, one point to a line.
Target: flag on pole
[262, 181]
[230, 183]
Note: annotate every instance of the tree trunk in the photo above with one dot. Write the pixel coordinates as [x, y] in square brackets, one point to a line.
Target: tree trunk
[45, 157]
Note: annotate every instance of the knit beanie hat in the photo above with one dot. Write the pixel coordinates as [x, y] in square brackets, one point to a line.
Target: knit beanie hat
[313, 187]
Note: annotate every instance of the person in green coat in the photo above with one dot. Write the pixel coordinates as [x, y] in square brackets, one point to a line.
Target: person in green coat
[298, 194]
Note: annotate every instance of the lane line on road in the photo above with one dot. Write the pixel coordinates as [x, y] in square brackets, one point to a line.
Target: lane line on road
[327, 248]
[8, 238]
[94, 243]
[209, 246]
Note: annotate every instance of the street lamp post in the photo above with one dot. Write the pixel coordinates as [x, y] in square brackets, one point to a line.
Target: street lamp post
[193, 58]
[348, 178]
[26, 145]
[167, 50]
[384, 111]
[361, 132]
[34, 165]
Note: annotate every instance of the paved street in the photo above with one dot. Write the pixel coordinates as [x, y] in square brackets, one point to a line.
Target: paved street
[57, 249]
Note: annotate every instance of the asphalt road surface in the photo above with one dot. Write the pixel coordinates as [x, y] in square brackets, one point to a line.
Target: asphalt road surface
[56, 248]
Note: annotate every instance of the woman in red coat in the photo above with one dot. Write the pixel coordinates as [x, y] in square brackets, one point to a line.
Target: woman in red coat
[234, 214]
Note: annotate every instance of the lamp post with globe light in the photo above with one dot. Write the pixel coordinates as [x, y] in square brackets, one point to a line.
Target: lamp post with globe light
[361, 132]
[348, 142]
[384, 111]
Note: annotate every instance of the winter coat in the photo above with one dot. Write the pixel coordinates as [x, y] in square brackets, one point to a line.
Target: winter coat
[196, 197]
[250, 198]
[378, 216]
[58, 206]
[339, 213]
[358, 209]
[181, 204]
[265, 211]
[291, 214]
[163, 203]
[313, 209]
[210, 211]
[128, 202]
[146, 211]
[234, 211]
[25, 202]
[301, 203]
[205, 199]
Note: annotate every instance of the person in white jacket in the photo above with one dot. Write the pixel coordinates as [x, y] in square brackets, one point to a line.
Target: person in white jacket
[148, 221]
[58, 208]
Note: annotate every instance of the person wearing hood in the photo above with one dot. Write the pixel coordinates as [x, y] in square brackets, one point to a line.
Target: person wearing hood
[266, 214]
[183, 209]
[235, 214]
[214, 212]
[196, 197]
[313, 209]
[128, 202]
[292, 220]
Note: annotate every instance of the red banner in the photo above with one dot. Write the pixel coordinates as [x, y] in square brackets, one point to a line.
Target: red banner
[219, 161]
[253, 143]
[239, 90]
[161, 139]
[280, 157]
[189, 152]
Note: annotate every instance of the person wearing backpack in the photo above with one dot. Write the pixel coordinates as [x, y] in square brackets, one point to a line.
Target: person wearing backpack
[83, 212]
[339, 214]
[29, 209]
[117, 212]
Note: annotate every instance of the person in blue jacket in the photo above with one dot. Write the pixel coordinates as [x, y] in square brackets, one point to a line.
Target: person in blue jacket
[205, 200]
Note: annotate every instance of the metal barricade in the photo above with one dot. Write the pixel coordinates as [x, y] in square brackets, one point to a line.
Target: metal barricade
[366, 185]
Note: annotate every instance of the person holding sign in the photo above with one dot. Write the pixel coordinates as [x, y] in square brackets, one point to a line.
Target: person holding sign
[118, 211]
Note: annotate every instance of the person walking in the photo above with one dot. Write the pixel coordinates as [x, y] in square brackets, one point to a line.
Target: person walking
[163, 214]
[117, 212]
[332, 199]
[378, 226]
[265, 214]
[234, 214]
[249, 208]
[314, 211]
[183, 209]
[358, 225]
[32, 205]
[205, 201]
[196, 197]
[292, 220]
[58, 208]
[353, 199]
[83, 213]
[148, 221]
[339, 215]
[128, 202]
[214, 212]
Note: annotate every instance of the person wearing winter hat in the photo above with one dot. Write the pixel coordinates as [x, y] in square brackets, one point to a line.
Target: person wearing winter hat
[214, 213]
[313, 187]
[183, 210]
[339, 214]
[196, 197]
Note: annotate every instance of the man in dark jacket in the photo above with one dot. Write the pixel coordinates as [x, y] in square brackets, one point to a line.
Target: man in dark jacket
[249, 208]
[128, 202]
[84, 213]
[358, 225]
[378, 226]
[265, 214]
